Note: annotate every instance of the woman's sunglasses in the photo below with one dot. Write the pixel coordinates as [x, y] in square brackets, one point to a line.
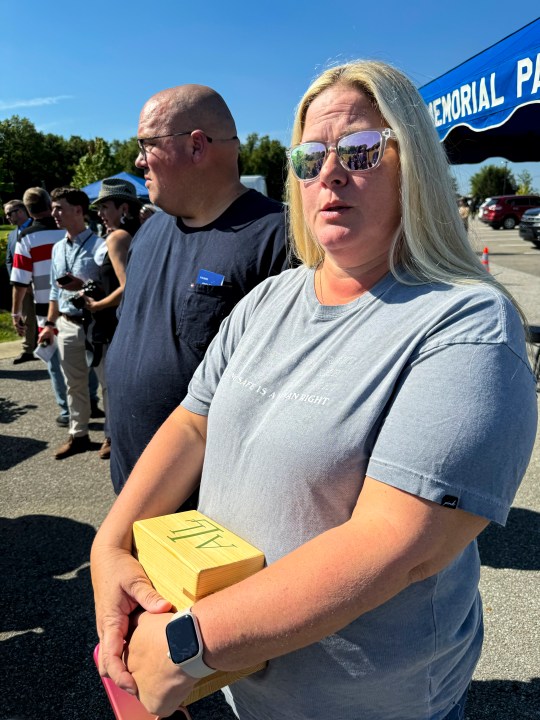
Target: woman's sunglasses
[357, 152]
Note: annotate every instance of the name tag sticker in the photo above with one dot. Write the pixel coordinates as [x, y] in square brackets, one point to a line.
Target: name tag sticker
[207, 277]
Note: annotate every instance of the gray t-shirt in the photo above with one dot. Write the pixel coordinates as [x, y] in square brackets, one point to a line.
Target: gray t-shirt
[426, 388]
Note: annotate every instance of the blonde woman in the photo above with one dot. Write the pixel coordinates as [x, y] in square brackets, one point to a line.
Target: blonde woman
[371, 412]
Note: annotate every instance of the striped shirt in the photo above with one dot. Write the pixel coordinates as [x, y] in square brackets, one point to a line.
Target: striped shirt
[32, 260]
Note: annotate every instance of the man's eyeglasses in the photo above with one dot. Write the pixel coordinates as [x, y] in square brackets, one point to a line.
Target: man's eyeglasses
[142, 142]
[357, 152]
[9, 213]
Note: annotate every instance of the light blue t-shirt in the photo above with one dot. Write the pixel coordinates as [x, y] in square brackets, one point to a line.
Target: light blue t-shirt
[426, 388]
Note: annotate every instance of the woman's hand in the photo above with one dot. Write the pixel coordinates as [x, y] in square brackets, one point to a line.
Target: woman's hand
[161, 684]
[91, 304]
[120, 586]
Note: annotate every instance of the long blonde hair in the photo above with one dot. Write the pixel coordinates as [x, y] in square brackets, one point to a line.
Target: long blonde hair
[433, 245]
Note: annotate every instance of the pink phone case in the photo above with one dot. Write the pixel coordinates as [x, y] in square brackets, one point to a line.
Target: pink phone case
[124, 705]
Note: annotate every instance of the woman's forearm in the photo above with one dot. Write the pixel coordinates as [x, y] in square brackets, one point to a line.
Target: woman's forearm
[164, 477]
[393, 540]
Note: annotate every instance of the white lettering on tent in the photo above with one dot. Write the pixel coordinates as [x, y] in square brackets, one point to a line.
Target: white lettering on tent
[483, 96]
[435, 111]
[471, 98]
[524, 74]
[494, 99]
[446, 107]
[536, 84]
[466, 100]
[456, 109]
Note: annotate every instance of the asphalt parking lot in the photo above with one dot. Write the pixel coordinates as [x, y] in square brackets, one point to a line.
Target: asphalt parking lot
[50, 511]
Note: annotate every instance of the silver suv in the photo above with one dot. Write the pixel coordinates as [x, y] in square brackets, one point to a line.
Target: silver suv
[529, 227]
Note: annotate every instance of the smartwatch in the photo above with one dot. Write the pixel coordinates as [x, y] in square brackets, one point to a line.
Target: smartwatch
[185, 644]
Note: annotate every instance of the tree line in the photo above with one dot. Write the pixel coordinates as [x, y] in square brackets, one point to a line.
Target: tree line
[30, 158]
[493, 180]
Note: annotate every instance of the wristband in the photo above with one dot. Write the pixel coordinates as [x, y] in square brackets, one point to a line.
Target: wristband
[16, 315]
[49, 323]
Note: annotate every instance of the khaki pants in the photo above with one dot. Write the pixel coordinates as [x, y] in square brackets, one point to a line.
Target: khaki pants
[71, 347]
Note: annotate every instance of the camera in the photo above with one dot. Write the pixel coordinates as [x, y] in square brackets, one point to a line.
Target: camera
[91, 289]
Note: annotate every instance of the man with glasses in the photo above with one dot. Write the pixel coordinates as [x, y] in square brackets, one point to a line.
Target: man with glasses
[188, 266]
[16, 214]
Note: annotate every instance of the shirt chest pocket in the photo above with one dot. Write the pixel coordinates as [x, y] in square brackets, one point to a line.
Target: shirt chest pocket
[203, 309]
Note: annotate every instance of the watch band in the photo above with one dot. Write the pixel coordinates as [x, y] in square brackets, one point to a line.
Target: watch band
[194, 666]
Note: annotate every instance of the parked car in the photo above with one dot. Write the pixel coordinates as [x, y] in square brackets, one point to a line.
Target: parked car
[529, 227]
[506, 210]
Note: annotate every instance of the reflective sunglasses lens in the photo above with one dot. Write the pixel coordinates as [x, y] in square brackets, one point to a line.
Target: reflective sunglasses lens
[361, 150]
[307, 160]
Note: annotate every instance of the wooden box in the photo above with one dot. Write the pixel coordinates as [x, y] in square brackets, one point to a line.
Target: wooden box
[188, 556]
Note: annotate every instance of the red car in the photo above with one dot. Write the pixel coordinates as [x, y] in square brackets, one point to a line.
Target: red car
[506, 210]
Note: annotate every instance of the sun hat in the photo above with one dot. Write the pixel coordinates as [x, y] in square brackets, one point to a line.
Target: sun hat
[117, 189]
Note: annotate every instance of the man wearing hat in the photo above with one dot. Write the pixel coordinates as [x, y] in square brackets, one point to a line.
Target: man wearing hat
[188, 265]
[75, 260]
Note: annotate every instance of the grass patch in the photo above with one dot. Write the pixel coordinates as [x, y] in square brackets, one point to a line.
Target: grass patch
[7, 333]
[4, 232]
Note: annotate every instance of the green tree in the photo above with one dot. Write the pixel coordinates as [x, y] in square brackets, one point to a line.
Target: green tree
[34, 158]
[125, 153]
[21, 147]
[525, 184]
[6, 186]
[492, 180]
[262, 156]
[98, 163]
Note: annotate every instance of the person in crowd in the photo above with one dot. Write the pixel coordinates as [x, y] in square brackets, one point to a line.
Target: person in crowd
[188, 266]
[146, 212]
[73, 264]
[17, 215]
[370, 413]
[464, 212]
[31, 274]
[31, 268]
[118, 207]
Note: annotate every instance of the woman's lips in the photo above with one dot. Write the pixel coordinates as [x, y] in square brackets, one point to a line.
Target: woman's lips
[333, 209]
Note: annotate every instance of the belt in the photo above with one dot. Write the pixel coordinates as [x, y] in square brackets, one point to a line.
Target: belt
[73, 318]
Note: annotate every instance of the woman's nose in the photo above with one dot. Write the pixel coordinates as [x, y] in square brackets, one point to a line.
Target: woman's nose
[332, 170]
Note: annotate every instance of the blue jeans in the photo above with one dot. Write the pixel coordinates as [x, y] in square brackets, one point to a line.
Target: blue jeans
[59, 384]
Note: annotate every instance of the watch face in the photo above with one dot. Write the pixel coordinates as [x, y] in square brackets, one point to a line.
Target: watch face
[182, 639]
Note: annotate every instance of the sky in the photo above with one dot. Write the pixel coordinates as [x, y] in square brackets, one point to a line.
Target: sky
[87, 71]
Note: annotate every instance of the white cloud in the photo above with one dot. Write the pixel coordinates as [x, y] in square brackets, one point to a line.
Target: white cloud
[33, 102]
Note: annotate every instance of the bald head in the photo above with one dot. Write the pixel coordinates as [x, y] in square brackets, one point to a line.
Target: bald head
[190, 157]
[191, 107]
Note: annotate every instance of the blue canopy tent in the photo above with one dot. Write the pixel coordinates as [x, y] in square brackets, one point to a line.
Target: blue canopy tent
[489, 106]
[92, 190]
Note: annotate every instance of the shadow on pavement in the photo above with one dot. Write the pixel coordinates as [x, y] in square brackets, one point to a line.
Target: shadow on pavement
[17, 449]
[11, 411]
[488, 697]
[40, 373]
[48, 609]
[514, 546]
